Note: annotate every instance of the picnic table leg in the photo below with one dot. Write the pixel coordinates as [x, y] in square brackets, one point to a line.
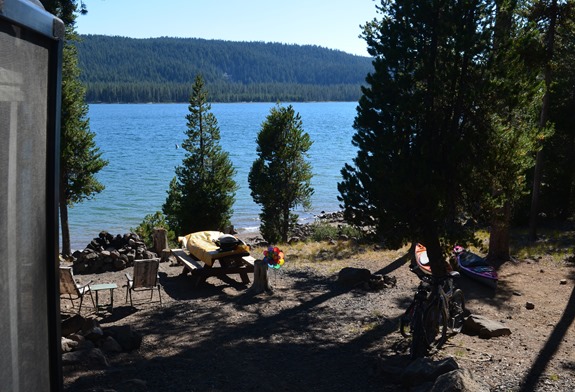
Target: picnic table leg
[245, 278]
[261, 278]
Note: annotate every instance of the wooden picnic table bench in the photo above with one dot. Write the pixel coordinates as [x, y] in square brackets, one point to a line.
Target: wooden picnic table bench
[241, 264]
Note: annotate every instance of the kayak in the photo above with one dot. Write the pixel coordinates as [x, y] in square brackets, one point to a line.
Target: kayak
[422, 259]
[475, 267]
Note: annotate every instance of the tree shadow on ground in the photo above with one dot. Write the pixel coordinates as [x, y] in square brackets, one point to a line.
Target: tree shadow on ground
[183, 287]
[405, 259]
[117, 314]
[552, 344]
[299, 344]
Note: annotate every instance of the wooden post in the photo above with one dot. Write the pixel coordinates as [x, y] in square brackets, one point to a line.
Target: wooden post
[160, 238]
[261, 279]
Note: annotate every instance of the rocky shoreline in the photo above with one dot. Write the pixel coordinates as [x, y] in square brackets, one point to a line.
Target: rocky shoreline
[108, 252]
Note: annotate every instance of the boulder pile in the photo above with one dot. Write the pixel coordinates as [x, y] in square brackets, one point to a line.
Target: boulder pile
[110, 253]
[84, 341]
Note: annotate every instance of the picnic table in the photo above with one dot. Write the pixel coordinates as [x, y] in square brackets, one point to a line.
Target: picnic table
[202, 258]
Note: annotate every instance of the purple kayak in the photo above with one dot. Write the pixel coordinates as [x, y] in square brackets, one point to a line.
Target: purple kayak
[475, 267]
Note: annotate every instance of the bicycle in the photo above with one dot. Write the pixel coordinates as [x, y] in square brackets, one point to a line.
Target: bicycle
[437, 307]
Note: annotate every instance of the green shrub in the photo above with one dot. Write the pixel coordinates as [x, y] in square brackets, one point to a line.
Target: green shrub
[322, 231]
[146, 229]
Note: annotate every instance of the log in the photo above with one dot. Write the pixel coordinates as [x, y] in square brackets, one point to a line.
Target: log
[261, 279]
[160, 238]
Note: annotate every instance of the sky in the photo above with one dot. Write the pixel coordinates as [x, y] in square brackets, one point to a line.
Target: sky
[333, 24]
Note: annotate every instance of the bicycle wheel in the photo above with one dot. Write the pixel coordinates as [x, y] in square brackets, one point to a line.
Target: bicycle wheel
[405, 321]
[435, 324]
[418, 346]
[457, 311]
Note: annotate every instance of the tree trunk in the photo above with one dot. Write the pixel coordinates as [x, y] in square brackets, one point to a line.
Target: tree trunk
[261, 279]
[285, 224]
[535, 197]
[499, 236]
[434, 250]
[160, 239]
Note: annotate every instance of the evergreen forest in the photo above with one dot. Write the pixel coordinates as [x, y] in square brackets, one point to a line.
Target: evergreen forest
[130, 70]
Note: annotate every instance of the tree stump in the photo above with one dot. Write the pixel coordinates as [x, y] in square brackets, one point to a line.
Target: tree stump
[160, 238]
[261, 279]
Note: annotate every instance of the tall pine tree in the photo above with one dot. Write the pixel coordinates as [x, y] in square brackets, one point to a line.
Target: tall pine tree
[514, 137]
[421, 122]
[202, 194]
[80, 158]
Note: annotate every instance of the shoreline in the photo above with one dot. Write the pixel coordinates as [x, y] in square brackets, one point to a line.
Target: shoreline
[252, 233]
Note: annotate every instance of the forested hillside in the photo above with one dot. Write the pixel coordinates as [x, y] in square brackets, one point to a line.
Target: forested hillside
[119, 69]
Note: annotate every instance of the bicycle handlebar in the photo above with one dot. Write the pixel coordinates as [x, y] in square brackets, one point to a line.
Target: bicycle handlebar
[431, 279]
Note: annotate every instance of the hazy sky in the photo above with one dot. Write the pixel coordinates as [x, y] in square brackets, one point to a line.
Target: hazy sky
[333, 24]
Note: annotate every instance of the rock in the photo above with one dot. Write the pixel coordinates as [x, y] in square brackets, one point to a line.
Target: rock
[77, 337]
[459, 380]
[379, 282]
[85, 345]
[563, 281]
[376, 282]
[483, 327]
[120, 264]
[105, 236]
[131, 256]
[529, 305]
[128, 338]
[93, 358]
[72, 325]
[68, 345]
[108, 253]
[109, 345]
[426, 370]
[350, 276]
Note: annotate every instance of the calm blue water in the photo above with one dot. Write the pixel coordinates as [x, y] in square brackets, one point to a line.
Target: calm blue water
[139, 141]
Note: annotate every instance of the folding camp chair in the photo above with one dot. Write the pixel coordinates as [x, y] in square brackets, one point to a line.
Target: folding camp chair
[69, 287]
[145, 278]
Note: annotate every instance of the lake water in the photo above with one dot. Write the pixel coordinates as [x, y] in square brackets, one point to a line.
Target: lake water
[139, 141]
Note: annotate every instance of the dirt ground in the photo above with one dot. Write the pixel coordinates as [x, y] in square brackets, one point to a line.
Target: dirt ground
[312, 334]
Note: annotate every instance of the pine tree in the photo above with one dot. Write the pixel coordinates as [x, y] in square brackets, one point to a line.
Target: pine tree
[280, 178]
[421, 123]
[554, 19]
[515, 136]
[202, 194]
[80, 158]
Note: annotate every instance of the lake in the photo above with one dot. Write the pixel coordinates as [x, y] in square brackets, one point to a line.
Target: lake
[141, 143]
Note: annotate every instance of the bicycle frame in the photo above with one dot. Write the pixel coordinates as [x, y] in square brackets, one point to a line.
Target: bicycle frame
[430, 312]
